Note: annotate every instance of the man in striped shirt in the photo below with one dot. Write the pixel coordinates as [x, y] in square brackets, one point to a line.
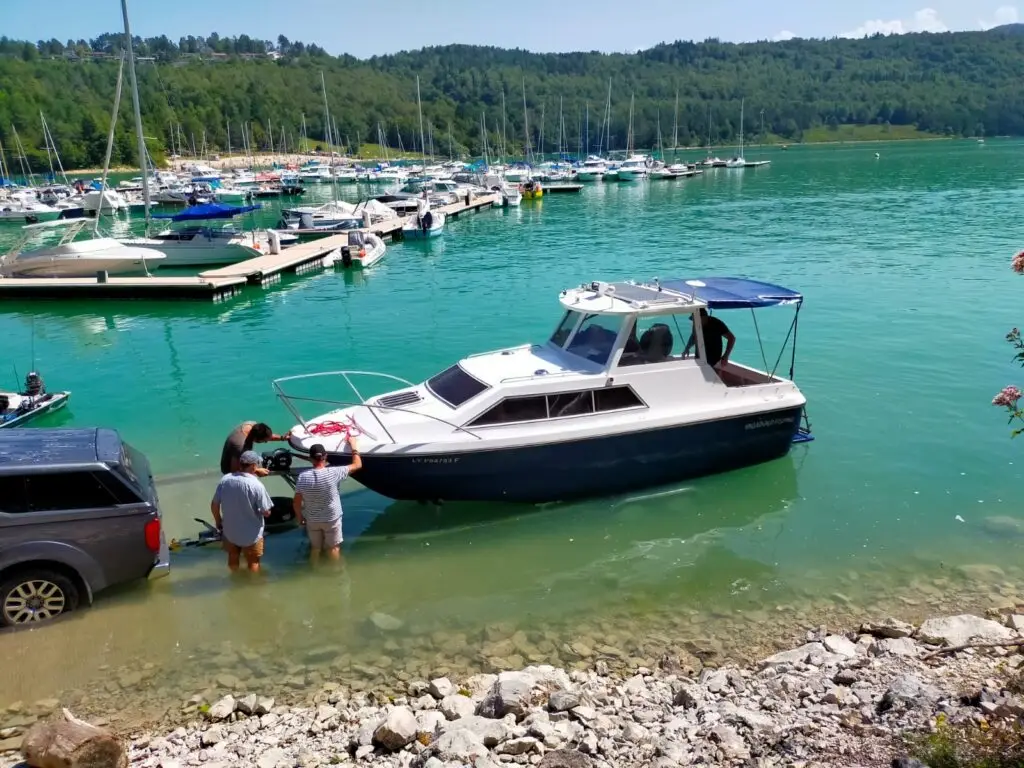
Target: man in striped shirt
[317, 501]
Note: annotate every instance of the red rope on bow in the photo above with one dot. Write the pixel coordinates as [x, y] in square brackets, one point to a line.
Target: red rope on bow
[349, 429]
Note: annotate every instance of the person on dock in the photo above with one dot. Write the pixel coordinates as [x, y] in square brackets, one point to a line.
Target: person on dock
[713, 330]
[317, 501]
[423, 214]
[239, 506]
[243, 438]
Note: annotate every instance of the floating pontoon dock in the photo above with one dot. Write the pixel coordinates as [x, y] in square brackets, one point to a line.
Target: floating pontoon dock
[214, 284]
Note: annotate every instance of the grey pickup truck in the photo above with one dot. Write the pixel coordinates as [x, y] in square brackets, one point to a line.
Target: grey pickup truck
[78, 513]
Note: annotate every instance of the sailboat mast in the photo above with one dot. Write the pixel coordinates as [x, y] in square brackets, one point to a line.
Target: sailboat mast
[504, 116]
[46, 141]
[419, 107]
[608, 118]
[526, 125]
[675, 125]
[137, 109]
[110, 142]
[742, 103]
[588, 128]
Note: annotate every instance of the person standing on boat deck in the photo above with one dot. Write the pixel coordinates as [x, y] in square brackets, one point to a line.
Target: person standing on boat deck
[317, 502]
[423, 214]
[713, 331]
[239, 505]
[242, 439]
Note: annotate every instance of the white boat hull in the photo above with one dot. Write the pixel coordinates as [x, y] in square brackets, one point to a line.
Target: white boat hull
[10, 215]
[84, 259]
[199, 252]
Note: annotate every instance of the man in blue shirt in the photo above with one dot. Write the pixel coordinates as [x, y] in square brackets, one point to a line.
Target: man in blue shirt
[239, 505]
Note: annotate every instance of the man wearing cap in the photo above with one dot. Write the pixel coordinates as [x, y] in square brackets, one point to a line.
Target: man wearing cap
[317, 501]
[239, 505]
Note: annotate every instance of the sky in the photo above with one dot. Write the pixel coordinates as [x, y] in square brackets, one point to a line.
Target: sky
[367, 27]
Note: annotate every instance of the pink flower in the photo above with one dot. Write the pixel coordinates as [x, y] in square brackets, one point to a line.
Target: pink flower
[1008, 397]
[1018, 263]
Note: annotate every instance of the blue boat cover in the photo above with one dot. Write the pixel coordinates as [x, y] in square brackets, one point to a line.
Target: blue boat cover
[733, 292]
[207, 211]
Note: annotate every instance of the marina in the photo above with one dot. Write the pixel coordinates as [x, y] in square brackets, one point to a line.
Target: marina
[571, 429]
[223, 282]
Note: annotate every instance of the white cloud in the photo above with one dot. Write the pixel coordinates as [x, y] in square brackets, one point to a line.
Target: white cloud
[924, 20]
[783, 35]
[1005, 14]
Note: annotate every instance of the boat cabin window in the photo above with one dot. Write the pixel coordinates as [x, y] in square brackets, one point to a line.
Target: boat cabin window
[656, 339]
[454, 386]
[513, 410]
[596, 337]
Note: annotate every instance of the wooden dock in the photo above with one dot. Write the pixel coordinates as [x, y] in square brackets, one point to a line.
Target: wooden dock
[185, 287]
[224, 282]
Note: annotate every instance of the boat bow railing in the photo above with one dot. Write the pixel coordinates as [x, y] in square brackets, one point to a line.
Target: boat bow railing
[360, 401]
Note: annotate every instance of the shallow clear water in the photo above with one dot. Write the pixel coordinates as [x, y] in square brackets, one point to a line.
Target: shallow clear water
[904, 262]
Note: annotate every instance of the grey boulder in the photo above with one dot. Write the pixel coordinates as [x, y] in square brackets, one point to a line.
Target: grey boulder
[397, 730]
[958, 630]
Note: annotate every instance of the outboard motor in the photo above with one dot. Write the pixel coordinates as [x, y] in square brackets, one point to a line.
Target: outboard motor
[34, 385]
[5, 403]
[278, 460]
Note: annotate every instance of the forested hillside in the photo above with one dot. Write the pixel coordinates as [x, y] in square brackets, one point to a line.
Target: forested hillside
[953, 83]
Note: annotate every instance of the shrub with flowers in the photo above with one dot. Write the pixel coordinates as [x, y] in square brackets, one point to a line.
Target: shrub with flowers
[1010, 397]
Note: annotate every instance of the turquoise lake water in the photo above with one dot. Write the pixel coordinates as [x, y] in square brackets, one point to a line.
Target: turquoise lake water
[904, 263]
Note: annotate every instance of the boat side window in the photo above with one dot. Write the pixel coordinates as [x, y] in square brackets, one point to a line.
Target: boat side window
[76, 490]
[596, 337]
[454, 386]
[571, 404]
[654, 340]
[616, 399]
[514, 409]
[561, 334]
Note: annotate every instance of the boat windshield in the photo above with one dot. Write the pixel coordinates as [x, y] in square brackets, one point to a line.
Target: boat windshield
[561, 334]
[595, 339]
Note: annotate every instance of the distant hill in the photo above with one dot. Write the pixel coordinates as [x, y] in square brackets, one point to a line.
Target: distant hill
[1012, 29]
[955, 84]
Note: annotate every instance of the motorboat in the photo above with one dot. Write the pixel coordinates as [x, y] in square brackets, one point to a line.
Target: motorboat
[346, 176]
[335, 214]
[430, 225]
[363, 250]
[670, 172]
[593, 169]
[77, 258]
[201, 244]
[315, 174]
[104, 201]
[634, 168]
[511, 195]
[611, 402]
[232, 194]
[517, 174]
[23, 211]
[17, 409]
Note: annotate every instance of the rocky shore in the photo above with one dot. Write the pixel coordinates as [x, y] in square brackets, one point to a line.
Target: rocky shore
[837, 700]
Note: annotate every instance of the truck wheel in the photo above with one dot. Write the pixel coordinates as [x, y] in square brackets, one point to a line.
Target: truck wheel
[35, 595]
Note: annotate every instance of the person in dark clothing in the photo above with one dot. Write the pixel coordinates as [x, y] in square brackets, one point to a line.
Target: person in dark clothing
[242, 439]
[713, 331]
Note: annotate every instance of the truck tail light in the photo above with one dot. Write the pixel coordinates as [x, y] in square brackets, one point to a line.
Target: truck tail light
[152, 533]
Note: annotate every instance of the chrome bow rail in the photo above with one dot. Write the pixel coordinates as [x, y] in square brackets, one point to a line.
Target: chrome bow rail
[360, 401]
